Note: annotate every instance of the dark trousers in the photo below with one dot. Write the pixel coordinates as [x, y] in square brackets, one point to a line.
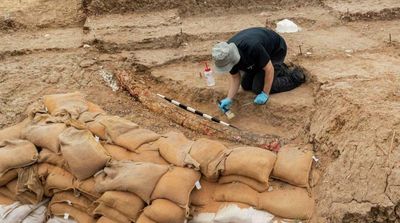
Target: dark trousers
[285, 79]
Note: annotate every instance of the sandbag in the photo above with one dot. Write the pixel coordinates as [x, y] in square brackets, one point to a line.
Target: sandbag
[145, 153]
[293, 166]
[126, 203]
[113, 126]
[164, 211]
[4, 200]
[236, 192]
[289, 202]
[104, 219]
[92, 107]
[71, 104]
[135, 138]
[204, 195]
[58, 180]
[88, 188]
[91, 120]
[26, 197]
[18, 212]
[205, 151]
[28, 181]
[215, 206]
[45, 134]
[56, 219]
[258, 186]
[83, 154]
[15, 154]
[138, 178]
[8, 176]
[60, 209]
[252, 162]
[176, 185]
[115, 215]
[4, 191]
[15, 131]
[48, 156]
[143, 219]
[79, 202]
[174, 147]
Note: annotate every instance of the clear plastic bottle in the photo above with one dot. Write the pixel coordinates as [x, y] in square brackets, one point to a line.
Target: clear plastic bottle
[209, 76]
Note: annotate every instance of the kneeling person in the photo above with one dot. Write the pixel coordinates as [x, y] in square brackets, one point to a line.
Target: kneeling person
[254, 57]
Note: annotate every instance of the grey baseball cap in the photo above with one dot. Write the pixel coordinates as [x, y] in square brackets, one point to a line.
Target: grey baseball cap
[225, 56]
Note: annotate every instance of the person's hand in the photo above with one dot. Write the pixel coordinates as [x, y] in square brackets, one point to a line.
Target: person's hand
[261, 99]
[225, 104]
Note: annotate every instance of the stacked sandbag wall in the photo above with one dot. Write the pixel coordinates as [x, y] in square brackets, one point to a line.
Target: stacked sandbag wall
[93, 167]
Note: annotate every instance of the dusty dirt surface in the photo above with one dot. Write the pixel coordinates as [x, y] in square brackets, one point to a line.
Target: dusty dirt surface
[349, 109]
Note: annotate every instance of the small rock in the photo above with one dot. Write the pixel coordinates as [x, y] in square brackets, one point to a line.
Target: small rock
[86, 46]
[349, 51]
[87, 63]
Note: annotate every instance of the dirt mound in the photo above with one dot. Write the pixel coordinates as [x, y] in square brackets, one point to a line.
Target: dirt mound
[186, 7]
[376, 214]
[7, 25]
[385, 14]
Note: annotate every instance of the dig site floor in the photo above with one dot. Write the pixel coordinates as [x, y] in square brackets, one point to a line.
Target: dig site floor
[349, 109]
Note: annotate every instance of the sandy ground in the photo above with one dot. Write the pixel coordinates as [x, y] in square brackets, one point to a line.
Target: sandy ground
[349, 109]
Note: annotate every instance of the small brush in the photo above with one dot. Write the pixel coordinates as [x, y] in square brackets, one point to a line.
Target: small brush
[228, 113]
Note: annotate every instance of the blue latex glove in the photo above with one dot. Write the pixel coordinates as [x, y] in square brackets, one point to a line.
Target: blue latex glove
[261, 99]
[225, 105]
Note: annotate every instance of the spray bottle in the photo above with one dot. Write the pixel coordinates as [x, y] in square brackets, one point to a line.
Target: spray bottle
[209, 76]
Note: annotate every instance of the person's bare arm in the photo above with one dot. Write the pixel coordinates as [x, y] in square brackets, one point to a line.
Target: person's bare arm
[234, 85]
[269, 77]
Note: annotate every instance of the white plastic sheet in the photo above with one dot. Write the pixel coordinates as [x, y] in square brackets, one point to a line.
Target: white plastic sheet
[287, 26]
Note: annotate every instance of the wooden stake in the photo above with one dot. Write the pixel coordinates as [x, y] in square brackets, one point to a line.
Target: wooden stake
[390, 38]
[301, 53]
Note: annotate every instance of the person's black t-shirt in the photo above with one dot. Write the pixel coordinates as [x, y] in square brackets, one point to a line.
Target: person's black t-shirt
[257, 46]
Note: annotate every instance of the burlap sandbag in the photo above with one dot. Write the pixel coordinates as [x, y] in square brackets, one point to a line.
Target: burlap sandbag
[215, 206]
[71, 104]
[113, 126]
[138, 178]
[26, 197]
[16, 153]
[165, 211]
[250, 162]
[204, 151]
[4, 200]
[45, 135]
[88, 188]
[60, 209]
[8, 176]
[4, 191]
[258, 186]
[92, 107]
[204, 195]
[126, 203]
[174, 147]
[135, 138]
[79, 202]
[48, 156]
[44, 170]
[104, 219]
[91, 120]
[28, 181]
[145, 153]
[176, 185]
[83, 154]
[144, 219]
[293, 165]
[236, 192]
[103, 210]
[15, 131]
[288, 202]
[58, 180]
